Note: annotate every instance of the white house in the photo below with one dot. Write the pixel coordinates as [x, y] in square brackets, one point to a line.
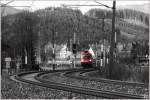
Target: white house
[64, 52]
[92, 52]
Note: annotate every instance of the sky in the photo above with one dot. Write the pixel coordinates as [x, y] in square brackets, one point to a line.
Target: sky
[35, 5]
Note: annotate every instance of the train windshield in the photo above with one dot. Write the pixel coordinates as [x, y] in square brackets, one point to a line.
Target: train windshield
[88, 56]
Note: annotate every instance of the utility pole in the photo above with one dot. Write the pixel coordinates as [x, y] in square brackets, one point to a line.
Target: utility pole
[115, 45]
[39, 46]
[53, 48]
[75, 41]
[96, 54]
[70, 53]
[53, 42]
[74, 54]
[112, 41]
[103, 25]
[74, 37]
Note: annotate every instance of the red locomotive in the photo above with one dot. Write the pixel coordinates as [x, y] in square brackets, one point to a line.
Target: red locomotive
[86, 59]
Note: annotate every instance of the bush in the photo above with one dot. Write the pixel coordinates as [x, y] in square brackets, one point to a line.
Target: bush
[120, 72]
[35, 67]
[145, 76]
[126, 60]
[125, 72]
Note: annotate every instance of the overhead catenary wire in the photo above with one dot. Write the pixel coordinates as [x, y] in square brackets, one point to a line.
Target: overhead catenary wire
[102, 4]
[7, 3]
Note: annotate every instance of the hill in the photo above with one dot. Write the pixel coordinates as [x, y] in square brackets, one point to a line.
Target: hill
[64, 22]
[142, 8]
[132, 24]
[8, 10]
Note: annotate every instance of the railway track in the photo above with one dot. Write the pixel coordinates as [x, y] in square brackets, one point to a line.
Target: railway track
[106, 85]
[36, 78]
[135, 86]
[81, 75]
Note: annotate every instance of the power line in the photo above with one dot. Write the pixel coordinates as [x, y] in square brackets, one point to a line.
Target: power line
[102, 4]
[16, 6]
[81, 5]
[7, 3]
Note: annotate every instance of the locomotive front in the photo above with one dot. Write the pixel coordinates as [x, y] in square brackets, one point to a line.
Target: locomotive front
[86, 59]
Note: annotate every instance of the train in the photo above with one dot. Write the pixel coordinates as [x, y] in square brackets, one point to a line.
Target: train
[86, 59]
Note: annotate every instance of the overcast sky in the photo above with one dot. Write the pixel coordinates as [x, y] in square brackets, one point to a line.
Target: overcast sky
[43, 4]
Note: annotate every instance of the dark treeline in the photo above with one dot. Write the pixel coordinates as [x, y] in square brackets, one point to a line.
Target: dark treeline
[63, 22]
[18, 36]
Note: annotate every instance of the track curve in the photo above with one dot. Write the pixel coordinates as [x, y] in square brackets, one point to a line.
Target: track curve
[36, 79]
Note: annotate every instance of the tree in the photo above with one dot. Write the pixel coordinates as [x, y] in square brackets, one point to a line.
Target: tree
[65, 22]
[24, 26]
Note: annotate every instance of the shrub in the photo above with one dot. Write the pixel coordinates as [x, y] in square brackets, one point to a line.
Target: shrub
[35, 67]
[145, 76]
[120, 72]
[126, 60]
